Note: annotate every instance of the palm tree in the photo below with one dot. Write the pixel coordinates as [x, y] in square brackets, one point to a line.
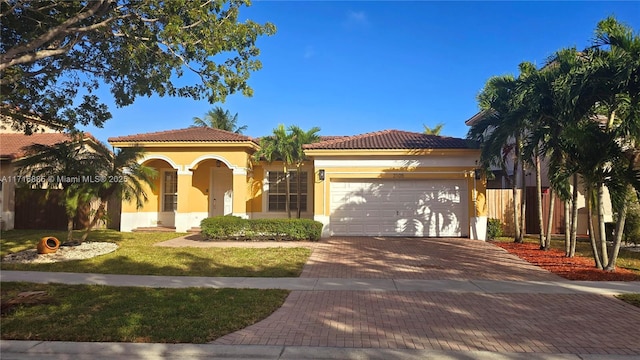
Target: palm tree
[434, 130]
[123, 177]
[279, 146]
[500, 131]
[603, 80]
[300, 138]
[63, 165]
[219, 118]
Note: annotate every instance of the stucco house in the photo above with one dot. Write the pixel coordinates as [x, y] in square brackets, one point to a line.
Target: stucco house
[386, 183]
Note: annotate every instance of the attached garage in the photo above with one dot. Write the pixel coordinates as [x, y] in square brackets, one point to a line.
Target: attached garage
[398, 183]
[389, 207]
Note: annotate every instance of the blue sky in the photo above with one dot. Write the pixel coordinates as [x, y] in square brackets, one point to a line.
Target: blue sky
[357, 67]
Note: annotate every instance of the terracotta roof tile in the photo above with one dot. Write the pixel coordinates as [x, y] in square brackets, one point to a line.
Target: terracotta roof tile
[12, 145]
[191, 134]
[390, 139]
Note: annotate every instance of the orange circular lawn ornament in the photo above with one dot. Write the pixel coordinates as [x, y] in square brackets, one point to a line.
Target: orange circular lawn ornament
[48, 245]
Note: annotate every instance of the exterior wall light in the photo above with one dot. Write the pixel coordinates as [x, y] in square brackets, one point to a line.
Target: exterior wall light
[321, 174]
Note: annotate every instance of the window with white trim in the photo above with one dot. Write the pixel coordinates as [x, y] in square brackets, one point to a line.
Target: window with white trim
[278, 191]
[170, 191]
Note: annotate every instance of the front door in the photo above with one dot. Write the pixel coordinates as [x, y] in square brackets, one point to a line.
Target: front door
[221, 192]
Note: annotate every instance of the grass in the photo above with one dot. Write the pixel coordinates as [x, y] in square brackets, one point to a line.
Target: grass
[127, 314]
[137, 256]
[626, 259]
[633, 299]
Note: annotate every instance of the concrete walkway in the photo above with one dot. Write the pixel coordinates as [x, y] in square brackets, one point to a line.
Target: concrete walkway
[335, 284]
[374, 298]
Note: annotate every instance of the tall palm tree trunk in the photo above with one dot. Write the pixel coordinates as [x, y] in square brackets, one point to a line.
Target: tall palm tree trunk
[602, 233]
[287, 185]
[567, 227]
[552, 203]
[622, 216]
[539, 199]
[299, 194]
[523, 204]
[574, 217]
[592, 237]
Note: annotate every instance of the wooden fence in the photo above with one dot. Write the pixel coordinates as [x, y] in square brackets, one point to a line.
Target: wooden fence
[500, 206]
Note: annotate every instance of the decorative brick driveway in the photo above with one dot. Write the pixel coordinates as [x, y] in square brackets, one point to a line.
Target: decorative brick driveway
[418, 258]
[540, 323]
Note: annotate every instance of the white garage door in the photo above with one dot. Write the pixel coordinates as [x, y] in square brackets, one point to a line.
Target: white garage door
[430, 208]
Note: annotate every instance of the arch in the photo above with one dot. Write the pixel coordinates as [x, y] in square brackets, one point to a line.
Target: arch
[210, 157]
[146, 158]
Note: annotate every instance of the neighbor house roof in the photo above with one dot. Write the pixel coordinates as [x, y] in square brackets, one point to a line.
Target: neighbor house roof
[191, 134]
[390, 139]
[13, 146]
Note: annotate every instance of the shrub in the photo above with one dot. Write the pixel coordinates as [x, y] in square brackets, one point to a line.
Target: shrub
[494, 228]
[235, 228]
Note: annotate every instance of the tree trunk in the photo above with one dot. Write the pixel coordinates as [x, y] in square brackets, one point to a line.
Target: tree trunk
[622, 216]
[567, 228]
[287, 186]
[69, 229]
[552, 203]
[523, 205]
[539, 198]
[601, 229]
[518, 202]
[516, 205]
[574, 217]
[592, 238]
[299, 195]
[98, 215]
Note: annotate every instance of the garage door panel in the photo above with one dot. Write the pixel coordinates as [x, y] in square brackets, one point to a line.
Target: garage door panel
[434, 208]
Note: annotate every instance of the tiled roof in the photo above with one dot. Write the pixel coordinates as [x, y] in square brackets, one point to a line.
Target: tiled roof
[12, 145]
[390, 139]
[191, 134]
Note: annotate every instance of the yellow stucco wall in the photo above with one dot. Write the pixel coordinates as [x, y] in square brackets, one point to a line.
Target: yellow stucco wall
[194, 175]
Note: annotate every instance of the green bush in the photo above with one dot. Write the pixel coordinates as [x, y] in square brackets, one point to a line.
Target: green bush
[494, 228]
[235, 228]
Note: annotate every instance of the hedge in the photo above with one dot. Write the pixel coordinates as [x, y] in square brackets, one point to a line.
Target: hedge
[236, 228]
[494, 228]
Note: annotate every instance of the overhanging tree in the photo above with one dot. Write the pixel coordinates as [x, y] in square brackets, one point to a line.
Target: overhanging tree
[53, 52]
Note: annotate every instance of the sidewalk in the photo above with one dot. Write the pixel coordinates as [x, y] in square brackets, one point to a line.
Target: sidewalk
[45, 350]
[335, 284]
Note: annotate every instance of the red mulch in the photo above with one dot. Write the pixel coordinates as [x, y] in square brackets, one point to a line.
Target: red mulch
[576, 268]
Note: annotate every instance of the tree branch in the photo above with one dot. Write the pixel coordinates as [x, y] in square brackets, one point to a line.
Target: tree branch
[11, 57]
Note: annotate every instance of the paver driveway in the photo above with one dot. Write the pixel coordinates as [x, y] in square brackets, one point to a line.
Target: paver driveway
[505, 322]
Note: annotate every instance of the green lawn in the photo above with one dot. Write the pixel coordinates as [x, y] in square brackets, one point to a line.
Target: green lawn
[633, 299]
[127, 314]
[137, 256]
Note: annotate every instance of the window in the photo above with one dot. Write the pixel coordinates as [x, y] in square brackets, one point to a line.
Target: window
[170, 191]
[278, 190]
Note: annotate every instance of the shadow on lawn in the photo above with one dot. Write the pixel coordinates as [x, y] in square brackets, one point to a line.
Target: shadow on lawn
[178, 263]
